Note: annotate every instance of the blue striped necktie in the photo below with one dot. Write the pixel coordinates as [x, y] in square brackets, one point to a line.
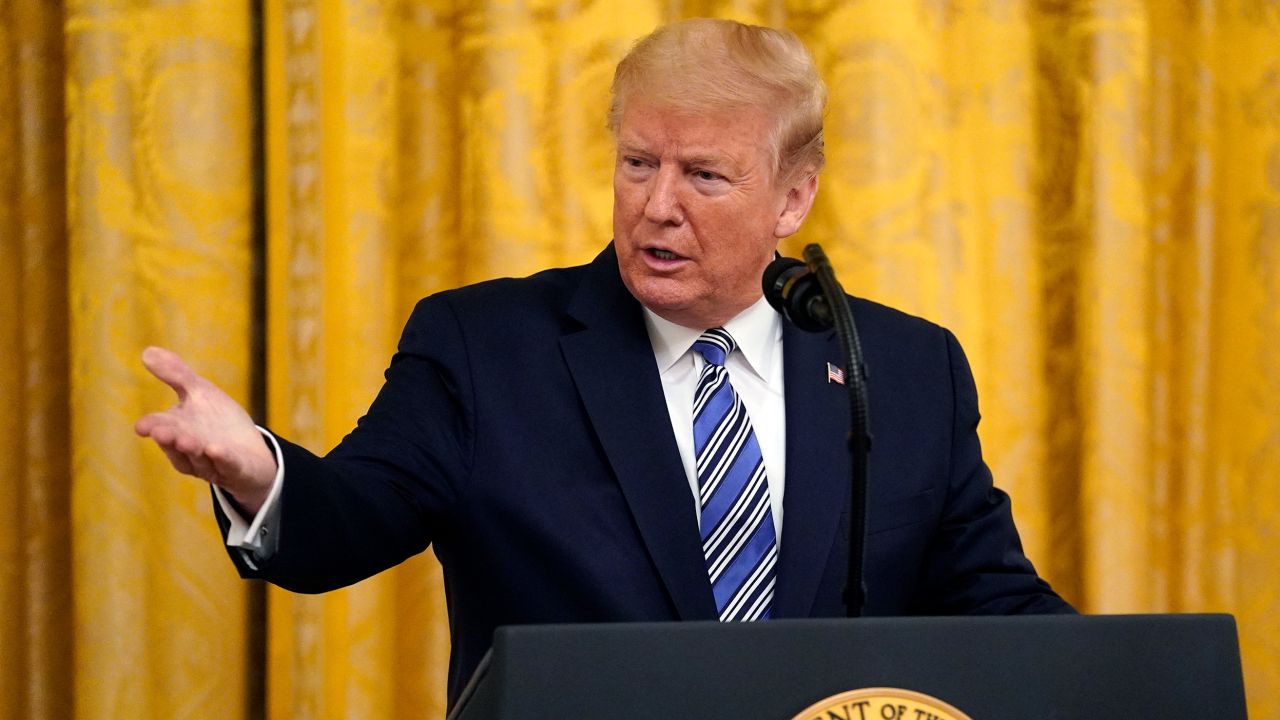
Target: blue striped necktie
[738, 537]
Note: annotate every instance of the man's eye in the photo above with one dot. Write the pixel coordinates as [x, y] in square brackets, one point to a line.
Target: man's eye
[706, 175]
[633, 162]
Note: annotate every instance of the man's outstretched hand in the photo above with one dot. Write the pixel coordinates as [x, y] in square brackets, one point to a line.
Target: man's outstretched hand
[207, 434]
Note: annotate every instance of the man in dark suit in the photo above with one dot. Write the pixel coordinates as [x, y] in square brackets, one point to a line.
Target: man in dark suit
[640, 438]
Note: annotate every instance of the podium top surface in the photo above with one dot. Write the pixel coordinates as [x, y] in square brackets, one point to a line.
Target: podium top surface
[1041, 667]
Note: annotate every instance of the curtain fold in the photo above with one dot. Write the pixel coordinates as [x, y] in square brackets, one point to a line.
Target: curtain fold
[36, 645]
[158, 188]
[1086, 193]
[333, 106]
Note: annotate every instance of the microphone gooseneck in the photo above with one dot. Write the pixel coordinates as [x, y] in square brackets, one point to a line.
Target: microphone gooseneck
[808, 294]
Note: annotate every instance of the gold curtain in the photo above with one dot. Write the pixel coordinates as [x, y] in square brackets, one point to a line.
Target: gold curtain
[124, 216]
[1088, 193]
[158, 187]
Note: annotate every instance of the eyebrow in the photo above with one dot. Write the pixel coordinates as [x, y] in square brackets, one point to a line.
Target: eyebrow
[712, 159]
[626, 147]
[717, 160]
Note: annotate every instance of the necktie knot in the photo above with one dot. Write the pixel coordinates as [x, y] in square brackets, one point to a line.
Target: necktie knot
[715, 345]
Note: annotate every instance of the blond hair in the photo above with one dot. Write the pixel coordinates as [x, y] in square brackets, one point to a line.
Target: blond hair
[703, 65]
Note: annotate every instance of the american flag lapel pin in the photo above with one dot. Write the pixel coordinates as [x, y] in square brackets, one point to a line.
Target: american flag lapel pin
[835, 374]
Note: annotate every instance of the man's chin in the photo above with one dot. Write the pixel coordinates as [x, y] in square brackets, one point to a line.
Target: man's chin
[664, 305]
[666, 302]
[681, 310]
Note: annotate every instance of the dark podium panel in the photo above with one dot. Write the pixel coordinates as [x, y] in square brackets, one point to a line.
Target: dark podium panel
[992, 668]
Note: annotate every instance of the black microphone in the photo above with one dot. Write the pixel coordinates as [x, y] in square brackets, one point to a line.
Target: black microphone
[796, 293]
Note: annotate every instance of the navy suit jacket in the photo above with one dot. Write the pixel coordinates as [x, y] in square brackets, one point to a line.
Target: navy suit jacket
[523, 433]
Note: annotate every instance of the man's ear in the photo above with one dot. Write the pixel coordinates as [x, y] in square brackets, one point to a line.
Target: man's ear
[799, 202]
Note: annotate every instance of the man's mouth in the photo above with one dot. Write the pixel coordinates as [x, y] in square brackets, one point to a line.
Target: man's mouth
[663, 254]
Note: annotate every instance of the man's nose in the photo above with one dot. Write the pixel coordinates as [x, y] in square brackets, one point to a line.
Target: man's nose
[663, 205]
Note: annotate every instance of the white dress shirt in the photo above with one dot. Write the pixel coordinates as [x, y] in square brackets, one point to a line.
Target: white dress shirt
[755, 371]
[256, 538]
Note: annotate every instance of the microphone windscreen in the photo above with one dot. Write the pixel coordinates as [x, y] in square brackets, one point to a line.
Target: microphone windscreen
[795, 292]
[775, 280]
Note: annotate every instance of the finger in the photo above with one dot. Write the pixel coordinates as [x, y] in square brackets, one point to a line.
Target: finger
[188, 445]
[145, 424]
[168, 367]
[149, 423]
[165, 434]
[179, 461]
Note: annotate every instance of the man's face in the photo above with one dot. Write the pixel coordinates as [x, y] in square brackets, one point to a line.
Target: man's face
[697, 211]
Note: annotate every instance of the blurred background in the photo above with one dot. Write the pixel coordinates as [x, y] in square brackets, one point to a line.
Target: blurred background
[1087, 193]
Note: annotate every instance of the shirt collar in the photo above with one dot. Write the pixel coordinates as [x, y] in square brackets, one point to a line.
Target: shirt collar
[756, 330]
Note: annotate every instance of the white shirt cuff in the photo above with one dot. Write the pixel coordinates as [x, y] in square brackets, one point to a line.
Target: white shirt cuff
[257, 538]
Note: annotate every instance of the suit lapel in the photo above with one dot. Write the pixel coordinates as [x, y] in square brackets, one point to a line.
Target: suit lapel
[817, 483]
[611, 360]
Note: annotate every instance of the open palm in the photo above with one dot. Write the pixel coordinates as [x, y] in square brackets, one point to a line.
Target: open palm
[207, 434]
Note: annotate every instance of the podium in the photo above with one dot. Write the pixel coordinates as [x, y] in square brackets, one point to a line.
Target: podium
[990, 668]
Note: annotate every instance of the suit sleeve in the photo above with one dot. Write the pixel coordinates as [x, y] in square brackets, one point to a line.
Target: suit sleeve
[384, 493]
[975, 563]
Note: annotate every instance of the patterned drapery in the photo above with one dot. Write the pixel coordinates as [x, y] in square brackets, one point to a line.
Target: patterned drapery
[1086, 191]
